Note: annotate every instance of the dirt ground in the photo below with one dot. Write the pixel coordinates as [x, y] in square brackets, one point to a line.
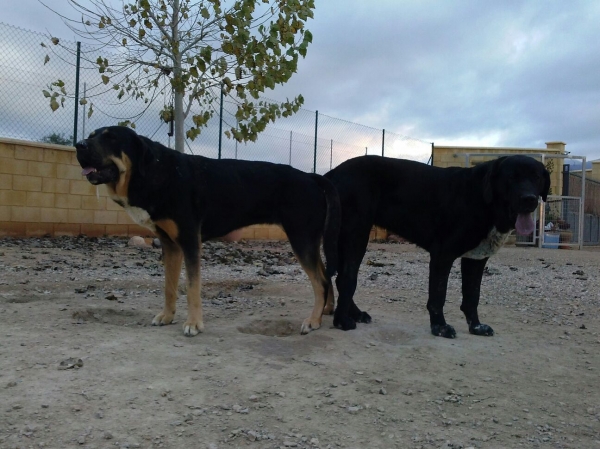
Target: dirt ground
[80, 365]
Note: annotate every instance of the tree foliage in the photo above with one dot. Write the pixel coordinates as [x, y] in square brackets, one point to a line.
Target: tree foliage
[58, 139]
[195, 48]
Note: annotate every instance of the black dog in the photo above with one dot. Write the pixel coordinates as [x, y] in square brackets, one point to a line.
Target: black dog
[450, 212]
[188, 199]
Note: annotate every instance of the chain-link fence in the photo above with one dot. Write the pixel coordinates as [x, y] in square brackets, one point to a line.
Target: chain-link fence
[561, 221]
[306, 140]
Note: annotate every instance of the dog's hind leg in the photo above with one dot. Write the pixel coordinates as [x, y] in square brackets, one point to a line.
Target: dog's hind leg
[472, 273]
[306, 246]
[311, 262]
[172, 260]
[330, 301]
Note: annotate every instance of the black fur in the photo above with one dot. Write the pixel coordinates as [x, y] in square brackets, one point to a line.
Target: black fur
[446, 211]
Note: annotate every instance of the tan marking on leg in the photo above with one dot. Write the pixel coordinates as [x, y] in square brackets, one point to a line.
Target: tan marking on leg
[330, 302]
[121, 187]
[169, 227]
[172, 260]
[317, 279]
[194, 323]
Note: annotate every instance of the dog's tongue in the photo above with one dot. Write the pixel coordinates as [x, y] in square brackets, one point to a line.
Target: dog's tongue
[524, 224]
[86, 171]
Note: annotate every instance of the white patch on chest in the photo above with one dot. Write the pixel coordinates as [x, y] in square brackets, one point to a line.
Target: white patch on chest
[488, 246]
[137, 214]
[141, 217]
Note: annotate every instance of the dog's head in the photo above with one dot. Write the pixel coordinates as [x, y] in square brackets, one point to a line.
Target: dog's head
[109, 155]
[514, 185]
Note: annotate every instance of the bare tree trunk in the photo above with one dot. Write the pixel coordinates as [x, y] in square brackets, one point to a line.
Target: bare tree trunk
[179, 119]
[178, 101]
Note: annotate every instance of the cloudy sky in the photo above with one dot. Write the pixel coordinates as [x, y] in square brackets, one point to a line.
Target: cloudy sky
[453, 72]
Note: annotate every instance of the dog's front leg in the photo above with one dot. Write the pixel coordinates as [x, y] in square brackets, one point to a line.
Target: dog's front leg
[439, 271]
[172, 260]
[472, 273]
[191, 252]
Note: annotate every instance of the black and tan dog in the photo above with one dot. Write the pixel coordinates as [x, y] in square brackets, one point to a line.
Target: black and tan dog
[188, 199]
[450, 212]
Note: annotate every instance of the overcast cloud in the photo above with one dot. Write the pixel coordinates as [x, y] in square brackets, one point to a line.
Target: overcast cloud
[508, 73]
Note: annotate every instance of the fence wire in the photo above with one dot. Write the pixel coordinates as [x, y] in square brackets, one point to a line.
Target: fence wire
[306, 140]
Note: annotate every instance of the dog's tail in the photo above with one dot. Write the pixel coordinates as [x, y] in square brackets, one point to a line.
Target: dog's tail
[333, 221]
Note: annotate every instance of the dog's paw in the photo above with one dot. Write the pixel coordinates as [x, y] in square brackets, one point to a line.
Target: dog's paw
[163, 318]
[481, 329]
[328, 310]
[309, 326]
[445, 331]
[363, 317]
[191, 328]
[344, 323]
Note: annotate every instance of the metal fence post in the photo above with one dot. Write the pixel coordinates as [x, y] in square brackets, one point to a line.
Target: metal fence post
[383, 143]
[290, 164]
[316, 130]
[331, 155]
[565, 173]
[221, 121]
[582, 201]
[76, 114]
[84, 110]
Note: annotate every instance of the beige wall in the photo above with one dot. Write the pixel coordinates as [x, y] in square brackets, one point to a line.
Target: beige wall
[594, 173]
[42, 193]
[452, 156]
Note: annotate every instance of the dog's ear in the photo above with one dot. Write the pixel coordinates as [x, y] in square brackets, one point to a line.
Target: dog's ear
[489, 180]
[546, 187]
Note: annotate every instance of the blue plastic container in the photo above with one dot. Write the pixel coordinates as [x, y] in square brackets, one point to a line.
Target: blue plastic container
[551, 240]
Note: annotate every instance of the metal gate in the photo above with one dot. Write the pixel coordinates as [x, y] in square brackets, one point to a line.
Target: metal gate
[561, 223]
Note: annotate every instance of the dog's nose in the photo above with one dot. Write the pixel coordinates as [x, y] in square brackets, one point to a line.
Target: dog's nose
[529, 201]
[81, 145]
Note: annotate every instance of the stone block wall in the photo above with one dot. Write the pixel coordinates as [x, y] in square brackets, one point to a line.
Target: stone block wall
[42, 193]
